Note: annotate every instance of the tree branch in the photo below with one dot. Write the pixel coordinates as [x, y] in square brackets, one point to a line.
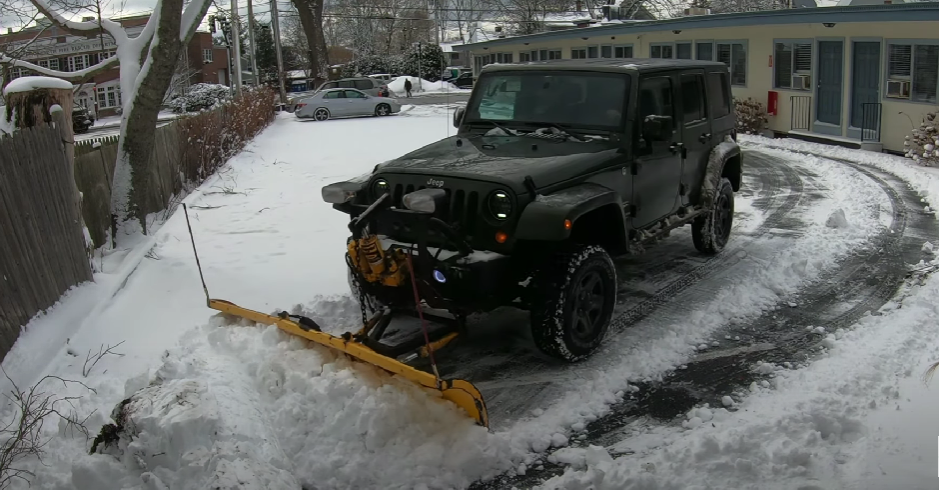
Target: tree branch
[70, 76]
[192, 17]
[81, 28]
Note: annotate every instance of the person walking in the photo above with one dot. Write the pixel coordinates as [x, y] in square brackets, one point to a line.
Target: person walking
[407, 86]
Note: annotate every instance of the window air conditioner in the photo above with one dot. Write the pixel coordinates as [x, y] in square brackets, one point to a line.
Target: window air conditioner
[802, 82]
[898, 89]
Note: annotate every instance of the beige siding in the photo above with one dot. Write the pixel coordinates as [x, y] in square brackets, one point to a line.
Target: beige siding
[896, 114]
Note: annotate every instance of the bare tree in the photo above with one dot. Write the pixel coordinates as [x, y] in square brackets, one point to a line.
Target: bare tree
[147, 63]
[465, 13]
[310, 13]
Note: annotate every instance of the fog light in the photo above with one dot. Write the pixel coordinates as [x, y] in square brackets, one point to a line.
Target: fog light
[439, 277]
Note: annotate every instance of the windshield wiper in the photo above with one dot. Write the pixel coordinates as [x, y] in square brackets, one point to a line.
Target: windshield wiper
[559, 130]
[504, 129]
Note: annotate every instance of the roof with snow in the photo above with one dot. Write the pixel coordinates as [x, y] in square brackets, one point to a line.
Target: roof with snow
[904, 12]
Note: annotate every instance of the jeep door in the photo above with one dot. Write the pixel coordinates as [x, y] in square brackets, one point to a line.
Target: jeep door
[657, 167]
[696, 130]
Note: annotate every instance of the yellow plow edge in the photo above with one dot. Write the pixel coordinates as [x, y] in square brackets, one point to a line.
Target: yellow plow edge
[458, 391]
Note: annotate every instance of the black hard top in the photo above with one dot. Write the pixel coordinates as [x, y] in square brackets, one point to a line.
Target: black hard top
[626, 65]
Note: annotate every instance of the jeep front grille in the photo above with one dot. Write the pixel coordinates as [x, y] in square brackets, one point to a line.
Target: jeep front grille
[461, 211]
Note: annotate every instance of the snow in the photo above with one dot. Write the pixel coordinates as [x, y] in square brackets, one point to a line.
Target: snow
[424, 86]
[26, 84]
[220, 405]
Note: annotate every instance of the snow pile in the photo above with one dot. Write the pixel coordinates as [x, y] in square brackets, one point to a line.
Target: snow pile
[255, 408]
[422, 86]
[26, 84]
[198, 97]
[837, 219]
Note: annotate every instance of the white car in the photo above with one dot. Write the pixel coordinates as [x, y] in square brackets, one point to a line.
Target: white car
[344, 102]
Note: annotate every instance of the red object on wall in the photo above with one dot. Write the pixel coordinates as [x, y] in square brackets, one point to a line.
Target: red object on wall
[772, 102]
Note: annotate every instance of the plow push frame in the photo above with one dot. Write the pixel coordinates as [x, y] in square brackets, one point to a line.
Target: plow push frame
[363, 345]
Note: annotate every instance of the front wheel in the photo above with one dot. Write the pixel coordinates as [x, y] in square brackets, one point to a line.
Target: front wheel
[573, 304]
[382, 110]
[711, 231]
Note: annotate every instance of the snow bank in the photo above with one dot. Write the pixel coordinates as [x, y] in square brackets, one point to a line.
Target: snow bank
[26, 84]
[425, 86]
[254, 408]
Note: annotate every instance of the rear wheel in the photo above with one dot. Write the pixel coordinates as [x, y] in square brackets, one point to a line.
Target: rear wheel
[382, 110]
[573, 303]
[711, 232]
[321, 114]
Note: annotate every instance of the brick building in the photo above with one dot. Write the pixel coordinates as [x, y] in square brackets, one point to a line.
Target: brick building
[50, 47]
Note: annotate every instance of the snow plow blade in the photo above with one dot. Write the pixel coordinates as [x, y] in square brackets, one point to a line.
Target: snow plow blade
[458, 391]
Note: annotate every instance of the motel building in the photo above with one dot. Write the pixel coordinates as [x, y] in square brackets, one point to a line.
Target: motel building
[845, 75]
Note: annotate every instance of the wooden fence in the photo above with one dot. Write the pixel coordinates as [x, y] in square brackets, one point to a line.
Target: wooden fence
[42, 244]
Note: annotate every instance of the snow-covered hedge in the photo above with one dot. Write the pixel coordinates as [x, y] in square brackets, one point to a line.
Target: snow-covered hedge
[922, 145]
[208, 139]
[199, 97]
[751, 116]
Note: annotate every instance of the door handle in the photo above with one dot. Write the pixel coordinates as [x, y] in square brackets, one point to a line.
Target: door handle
[675, 147]
[704, 138]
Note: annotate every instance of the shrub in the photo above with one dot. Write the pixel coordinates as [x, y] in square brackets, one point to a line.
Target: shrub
[199, 97]
[751, 116]
[922, 145]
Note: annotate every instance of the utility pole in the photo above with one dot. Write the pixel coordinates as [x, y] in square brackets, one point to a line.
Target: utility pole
[236, 47]
[251, 54]
[420, 62]
[275, 25]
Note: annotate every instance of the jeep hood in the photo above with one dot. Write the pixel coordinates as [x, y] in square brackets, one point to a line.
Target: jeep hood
[505, 159]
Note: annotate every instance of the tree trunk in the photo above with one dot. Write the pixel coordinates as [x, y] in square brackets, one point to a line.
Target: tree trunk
[138, 125]
[311, 18]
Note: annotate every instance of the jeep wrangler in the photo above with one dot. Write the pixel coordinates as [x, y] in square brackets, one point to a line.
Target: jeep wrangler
[556, 167]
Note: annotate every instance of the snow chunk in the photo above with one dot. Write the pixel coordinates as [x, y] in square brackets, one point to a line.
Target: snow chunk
[727, 401]
[28, 84]
[928, 248]
[837, 219]
[559, 440]
[55, 108]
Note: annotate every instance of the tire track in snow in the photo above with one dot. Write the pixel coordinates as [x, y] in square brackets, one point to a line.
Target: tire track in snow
[862, 283]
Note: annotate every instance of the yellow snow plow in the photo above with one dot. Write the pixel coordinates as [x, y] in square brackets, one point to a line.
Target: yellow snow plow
[460, 392]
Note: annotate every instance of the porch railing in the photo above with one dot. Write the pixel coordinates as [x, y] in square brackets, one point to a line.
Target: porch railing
[870, 121]
[801, 113]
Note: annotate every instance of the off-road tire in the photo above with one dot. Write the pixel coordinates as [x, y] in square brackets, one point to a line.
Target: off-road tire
[574, 297]
[383, 110]
[711, 231]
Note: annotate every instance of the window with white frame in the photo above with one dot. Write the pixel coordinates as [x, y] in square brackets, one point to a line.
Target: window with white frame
[207, 56]
[524, 56]
[109, 96]
[913, 71]
[593, 52]
[734, 55]
[79, 62]
[704, 51]
[579, 53]
[606, 51]
[623, 51]
[792, 64]
[547, 54]
[663, 51]
[683, 51]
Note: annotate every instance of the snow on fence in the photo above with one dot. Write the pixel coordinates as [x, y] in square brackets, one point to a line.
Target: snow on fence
[42, 244]
[186, 151]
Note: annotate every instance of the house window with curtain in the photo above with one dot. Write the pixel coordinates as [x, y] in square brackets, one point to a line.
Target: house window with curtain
[913, 71]
[792, 65]
[734, 55]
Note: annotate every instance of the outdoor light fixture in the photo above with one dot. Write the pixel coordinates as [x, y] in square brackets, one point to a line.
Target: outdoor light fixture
[828, 24]
[584, 38]
[676, 31]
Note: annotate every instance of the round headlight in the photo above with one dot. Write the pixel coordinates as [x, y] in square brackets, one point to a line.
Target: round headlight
[380, 187]
[500, 205]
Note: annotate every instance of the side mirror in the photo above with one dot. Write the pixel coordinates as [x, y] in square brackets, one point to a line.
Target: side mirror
[657, 128]
[458, 116]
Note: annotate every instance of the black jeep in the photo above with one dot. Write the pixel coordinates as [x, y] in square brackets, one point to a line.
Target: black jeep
[556, 166]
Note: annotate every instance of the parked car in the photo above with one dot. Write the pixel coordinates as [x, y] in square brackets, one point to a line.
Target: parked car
[368, 85]
[593, 159]
[466, 80]
[384, 77]
[81, 118]
[345, 102]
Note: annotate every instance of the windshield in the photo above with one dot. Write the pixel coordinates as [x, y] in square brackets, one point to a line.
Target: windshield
[588, 100]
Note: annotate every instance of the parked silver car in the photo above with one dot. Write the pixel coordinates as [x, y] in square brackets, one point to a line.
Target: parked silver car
[344, 102]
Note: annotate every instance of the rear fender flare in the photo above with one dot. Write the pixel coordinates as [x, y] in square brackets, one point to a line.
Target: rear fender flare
[543, 219]
[724, 151]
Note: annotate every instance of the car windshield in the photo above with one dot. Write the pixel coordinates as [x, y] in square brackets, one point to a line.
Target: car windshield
[571, 100]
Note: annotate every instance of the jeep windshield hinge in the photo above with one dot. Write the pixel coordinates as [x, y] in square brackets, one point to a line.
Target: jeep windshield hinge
[530, 185]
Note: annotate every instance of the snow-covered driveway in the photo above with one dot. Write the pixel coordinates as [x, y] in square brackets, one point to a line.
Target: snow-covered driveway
[818, 243]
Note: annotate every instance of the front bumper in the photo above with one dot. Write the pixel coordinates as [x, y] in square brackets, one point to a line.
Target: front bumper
[450, 274]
